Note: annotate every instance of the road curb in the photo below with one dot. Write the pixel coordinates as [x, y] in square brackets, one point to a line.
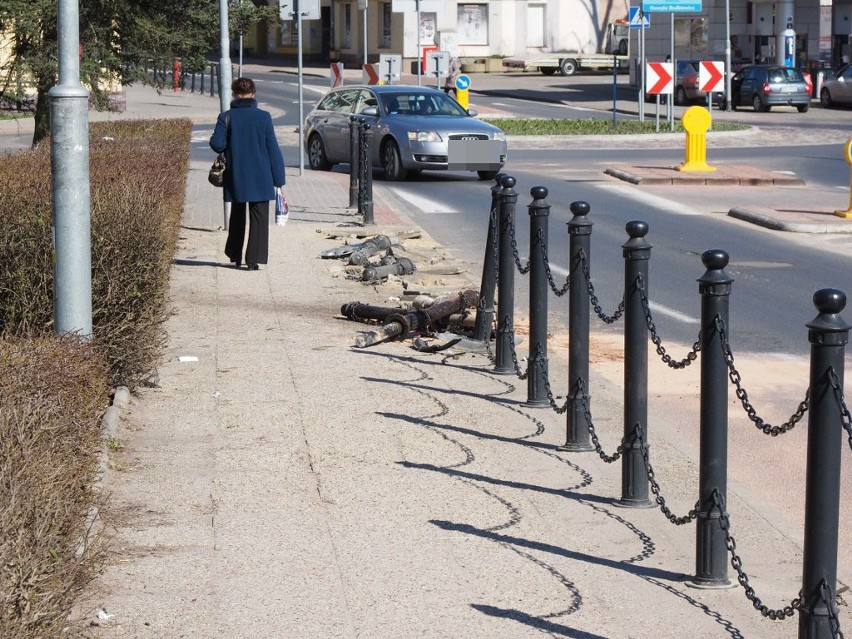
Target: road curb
[778, 225]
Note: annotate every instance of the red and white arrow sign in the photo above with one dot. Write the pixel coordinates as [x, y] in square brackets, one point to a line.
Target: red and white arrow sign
[658, 78]
[710, 75]
[336, 75]
[370, 74]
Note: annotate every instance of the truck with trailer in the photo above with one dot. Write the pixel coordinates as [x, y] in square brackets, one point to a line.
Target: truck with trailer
[615, 52]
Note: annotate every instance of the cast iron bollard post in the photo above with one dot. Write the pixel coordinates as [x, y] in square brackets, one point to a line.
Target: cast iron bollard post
[539, 211]
[711, 554]
[580, 231]
[354, 160]
[634, 477]
[366, 158]
[828, 335]
[503, 364]
[485, 311]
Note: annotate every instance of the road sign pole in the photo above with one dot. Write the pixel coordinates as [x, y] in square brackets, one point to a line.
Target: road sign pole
[641, 67]
[418, 42]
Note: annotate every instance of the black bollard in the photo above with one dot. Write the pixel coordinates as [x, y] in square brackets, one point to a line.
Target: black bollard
[539, 211]
[828, 335]
[485, 313]
[505, 278]
[354, 161]
[711, 554]
[580, 232]
[366, 158]
[634, 477]
[403, 266]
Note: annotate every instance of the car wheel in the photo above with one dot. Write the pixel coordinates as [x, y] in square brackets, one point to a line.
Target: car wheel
[487, 175]
[568, 66]
[680, 96]
[316, 154]
[548, 70]
[392, 162]
[803, 108]
[825, 99]
[758, 105]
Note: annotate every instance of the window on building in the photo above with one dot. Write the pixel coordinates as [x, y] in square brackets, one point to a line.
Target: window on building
[385, 42]
[690, 37]
[535, 25]
[472, 23]
[347, 26]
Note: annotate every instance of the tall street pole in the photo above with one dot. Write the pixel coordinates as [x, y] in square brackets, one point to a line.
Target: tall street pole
[225, 79]
[727, 55]
[69, 161]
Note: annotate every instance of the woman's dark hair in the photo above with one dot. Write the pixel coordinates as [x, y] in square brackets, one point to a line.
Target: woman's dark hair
[242, 86]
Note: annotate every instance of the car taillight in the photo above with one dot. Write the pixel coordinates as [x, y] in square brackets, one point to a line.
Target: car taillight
[767, 88]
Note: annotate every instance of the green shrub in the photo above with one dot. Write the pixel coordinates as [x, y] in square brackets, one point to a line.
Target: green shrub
[53, 391]
[137, 175]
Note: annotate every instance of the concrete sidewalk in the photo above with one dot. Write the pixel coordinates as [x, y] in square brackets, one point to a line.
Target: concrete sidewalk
[281, 484]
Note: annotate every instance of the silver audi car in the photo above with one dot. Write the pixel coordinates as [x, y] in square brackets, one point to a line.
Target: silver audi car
[414, 128]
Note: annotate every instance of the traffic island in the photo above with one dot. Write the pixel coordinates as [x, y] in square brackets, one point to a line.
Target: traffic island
[730, 175]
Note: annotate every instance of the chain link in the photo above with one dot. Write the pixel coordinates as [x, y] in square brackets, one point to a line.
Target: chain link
[550, 396]
[833, 619]
[657, 340]
[742, 395]
[737, 563]
[608, 319]
[514, 353]
[587, 411]
[558, 291]
[510, 225]
[655, 487]
[846, 417]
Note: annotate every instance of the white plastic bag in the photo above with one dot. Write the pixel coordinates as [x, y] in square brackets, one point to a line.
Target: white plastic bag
[282, 209]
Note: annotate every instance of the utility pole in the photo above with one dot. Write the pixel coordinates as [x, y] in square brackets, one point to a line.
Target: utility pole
[224, 79]
[69, 161]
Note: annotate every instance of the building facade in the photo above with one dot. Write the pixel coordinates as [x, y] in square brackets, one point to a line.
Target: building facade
[754, 30]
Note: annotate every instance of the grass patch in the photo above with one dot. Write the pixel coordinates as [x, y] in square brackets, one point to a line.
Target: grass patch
[511, 126]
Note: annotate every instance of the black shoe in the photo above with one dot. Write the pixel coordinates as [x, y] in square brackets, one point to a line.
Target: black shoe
[253, 267]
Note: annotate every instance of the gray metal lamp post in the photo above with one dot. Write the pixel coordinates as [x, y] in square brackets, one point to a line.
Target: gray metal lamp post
[224, 78]
[69, 161]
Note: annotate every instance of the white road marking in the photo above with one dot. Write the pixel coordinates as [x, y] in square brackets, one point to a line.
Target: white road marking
[659, 203]
[426, 204]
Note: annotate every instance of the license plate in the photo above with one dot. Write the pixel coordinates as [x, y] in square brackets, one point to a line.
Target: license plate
[786, 89]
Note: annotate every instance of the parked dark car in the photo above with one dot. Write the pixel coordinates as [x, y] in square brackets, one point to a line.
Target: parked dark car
[686, 83]
[414, 128]
[837, 88]
[763, 86]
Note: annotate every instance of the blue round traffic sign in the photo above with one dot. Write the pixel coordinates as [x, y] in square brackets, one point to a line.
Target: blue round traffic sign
[463, 82]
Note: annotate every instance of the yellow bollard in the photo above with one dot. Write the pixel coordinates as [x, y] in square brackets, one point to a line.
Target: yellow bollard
[696, 121]
[463, 97]
[847, 151]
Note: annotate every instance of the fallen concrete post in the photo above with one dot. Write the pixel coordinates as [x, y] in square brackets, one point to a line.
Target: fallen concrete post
[418, 320]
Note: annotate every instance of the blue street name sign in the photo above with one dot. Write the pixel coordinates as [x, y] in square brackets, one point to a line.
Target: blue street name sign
[671, 6]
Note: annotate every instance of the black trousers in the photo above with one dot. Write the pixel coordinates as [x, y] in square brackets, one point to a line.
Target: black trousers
[257, 250]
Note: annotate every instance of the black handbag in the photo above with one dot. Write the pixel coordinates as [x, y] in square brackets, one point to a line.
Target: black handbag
[216, 175]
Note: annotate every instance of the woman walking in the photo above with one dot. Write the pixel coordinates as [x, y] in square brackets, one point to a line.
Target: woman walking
[255, 169]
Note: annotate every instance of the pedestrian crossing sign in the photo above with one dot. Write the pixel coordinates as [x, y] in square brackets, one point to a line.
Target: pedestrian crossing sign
[638, 19]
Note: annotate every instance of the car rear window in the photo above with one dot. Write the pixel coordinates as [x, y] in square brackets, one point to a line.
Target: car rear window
[785, 75]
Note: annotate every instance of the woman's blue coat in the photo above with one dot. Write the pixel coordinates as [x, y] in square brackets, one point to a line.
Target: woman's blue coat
[255, 165]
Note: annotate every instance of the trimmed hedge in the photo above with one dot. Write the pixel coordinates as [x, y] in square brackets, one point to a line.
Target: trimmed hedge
[55, 389]
[138, 174]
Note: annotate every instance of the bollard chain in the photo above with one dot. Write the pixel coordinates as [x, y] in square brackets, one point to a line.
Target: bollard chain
[587, 411]
[521, 268]
[845, 416]
[608, 319]
[833, 620]
[742, 395]
[559, 292]
[736, 562]
[550, 396]
[657, 340]
[514, 353]
[655, 487]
